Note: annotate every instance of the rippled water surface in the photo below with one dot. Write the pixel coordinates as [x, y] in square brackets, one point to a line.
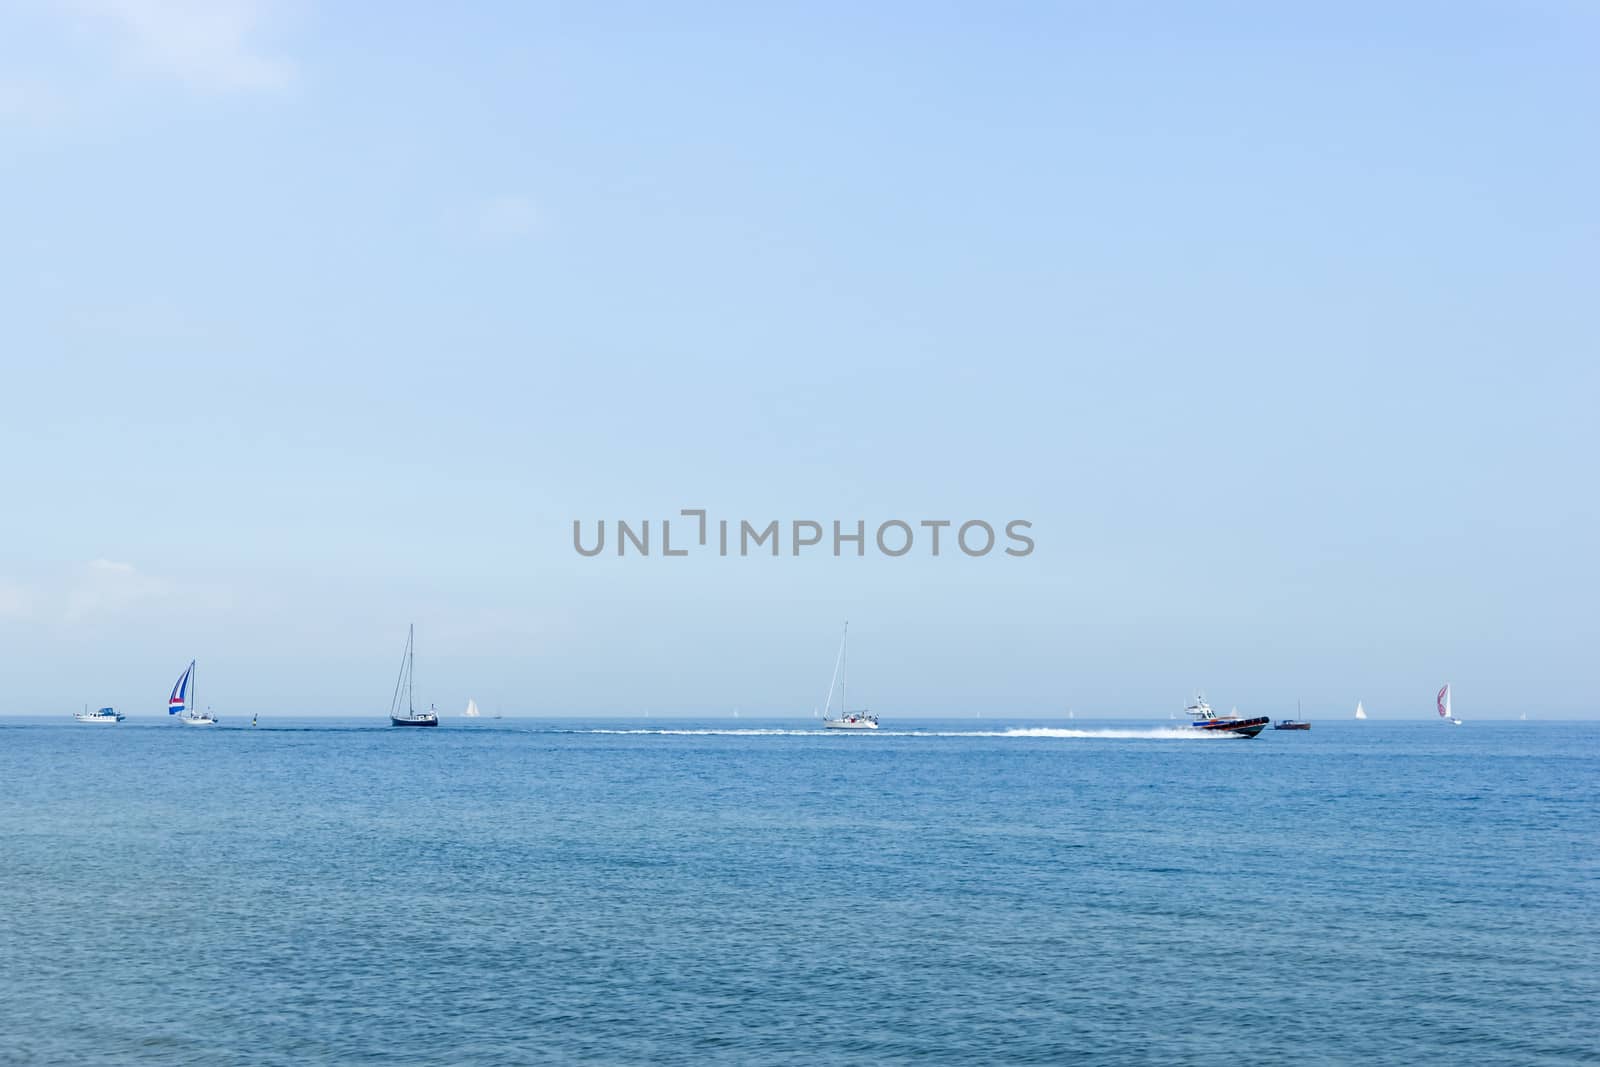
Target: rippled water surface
[523, 891]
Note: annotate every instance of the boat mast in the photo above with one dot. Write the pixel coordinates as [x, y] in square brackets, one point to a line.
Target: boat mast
[194, 689]
[838, 661]
[844, 669]
[411, 668]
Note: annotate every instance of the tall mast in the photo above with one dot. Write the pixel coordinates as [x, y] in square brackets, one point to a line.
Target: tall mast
[411, 667]
[844, 669]
[194, 690]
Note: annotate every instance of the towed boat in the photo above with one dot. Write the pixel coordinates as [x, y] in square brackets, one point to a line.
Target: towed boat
[107, 716]
[1202, 718]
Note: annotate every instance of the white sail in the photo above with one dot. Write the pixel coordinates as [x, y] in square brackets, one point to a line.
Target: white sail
[1361, 713]
[472, 709]
[1443, 702]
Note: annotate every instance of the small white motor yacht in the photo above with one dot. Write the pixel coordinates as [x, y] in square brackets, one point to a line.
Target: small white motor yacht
[109, 716]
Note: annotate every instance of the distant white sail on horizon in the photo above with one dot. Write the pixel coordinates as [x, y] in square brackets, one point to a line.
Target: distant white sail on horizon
[472, 710]
[1443, 702]
[1361, 713]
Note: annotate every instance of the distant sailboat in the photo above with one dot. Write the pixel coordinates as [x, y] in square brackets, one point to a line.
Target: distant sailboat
[410, 716]
[1296, 723]
[1523, 717]
[1361, 713]
[182, 700]
[472, 710]
[847, 720]
[1443, 702]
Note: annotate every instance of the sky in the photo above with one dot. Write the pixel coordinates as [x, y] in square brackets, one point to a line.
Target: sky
[1277, 323]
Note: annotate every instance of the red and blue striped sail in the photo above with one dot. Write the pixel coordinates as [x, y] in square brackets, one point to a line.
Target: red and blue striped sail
[180, 692]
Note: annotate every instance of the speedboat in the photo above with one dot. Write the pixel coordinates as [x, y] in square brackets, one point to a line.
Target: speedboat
[104, 715]
[1202, 718]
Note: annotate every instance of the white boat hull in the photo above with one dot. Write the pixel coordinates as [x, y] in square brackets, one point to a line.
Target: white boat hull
[847, 724]
[198, 720]
[96, 719]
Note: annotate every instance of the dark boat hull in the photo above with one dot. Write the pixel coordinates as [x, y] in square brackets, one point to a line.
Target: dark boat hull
[412, 722]
[1292, 726]
[1233, 727]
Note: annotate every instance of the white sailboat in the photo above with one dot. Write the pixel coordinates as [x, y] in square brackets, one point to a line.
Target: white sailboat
[1361, 713]
[1443, 702]
[847, 720]
[472, 710]
[182, 702]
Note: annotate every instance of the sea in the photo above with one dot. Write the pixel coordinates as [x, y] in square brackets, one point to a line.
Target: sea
[977, 891]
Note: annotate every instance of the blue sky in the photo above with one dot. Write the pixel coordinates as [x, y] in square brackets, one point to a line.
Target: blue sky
[1278, 325]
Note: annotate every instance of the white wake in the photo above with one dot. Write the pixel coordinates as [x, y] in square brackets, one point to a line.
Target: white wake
[1161, 733]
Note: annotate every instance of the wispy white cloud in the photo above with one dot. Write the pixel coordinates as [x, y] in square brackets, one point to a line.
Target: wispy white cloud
[507, 217]
[28, 102]
[103, 588]
[210, 44]
[16, 601]
[86, 593]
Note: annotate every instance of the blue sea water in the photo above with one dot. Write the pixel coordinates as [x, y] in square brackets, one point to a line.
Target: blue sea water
[531, 891]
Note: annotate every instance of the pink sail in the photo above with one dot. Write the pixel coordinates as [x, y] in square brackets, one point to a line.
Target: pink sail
[1444, 701]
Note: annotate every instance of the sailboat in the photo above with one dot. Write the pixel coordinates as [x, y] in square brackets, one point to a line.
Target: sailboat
[411, 716]
[472, 710]
[847, 720]
[1296, 723]
[1361, 713]
[1443, 702]
[182, 701]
